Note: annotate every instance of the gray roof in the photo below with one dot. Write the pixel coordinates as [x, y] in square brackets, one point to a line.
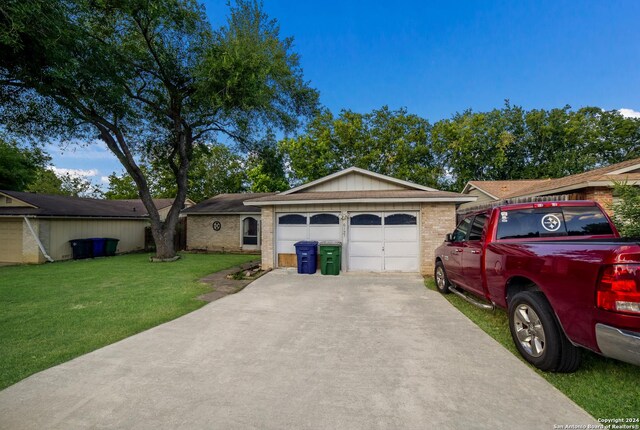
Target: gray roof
[362, 195]
[227, 203]
[65, 206]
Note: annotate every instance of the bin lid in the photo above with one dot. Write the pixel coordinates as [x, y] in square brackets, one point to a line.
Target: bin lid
[330, 243]
[306, 243]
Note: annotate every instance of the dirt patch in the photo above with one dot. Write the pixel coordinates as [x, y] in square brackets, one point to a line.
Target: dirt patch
[230, 281]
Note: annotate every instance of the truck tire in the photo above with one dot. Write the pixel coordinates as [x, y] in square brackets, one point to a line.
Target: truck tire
[538, 335]
[440, 276]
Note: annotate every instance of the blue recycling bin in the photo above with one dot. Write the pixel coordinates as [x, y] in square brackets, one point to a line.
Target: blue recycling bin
[99, 244]
[307, 253]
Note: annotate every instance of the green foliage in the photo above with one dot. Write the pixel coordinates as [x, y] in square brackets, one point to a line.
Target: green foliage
[265, 168]
[19, 165]
[47, 182]
[511, 143]
[215, 169]
[627, 210]
[390, 142]
[150, 79]
[52, 313]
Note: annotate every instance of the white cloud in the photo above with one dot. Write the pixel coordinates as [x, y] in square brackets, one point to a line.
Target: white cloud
[629, 113]
[77, 173]
[104, 179]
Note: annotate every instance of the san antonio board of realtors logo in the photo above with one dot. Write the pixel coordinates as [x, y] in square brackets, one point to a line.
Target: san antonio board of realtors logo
[551, 222]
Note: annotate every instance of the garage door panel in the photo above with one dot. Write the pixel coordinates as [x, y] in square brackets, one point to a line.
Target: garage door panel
[291, 232]
[328, 233]
[409, 249]
[394, 247]
[366, 234]
[360, 249]
[286, 246]
[365, 264]
[400, 264]
[401, 234]
[288, 231]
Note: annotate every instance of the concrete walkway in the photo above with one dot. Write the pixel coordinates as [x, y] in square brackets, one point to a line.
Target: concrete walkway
[299, 352]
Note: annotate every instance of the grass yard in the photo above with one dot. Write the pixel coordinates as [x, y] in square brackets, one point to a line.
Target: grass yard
[52, 313]
[603, 387]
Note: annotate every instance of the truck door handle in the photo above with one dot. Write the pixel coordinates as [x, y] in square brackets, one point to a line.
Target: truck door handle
[457, 251]
[475, 252]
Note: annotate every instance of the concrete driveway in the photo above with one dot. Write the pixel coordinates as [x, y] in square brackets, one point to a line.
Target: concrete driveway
[296, 352]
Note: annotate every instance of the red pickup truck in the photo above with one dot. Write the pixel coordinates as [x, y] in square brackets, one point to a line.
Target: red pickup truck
[561, 270]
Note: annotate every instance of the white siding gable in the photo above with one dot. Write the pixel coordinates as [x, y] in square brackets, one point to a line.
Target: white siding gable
[355, 181]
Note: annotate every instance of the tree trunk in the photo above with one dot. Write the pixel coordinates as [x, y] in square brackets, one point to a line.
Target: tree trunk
[163, 237]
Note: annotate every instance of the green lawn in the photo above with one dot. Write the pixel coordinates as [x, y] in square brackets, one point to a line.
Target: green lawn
[52, 313]
[603, 387]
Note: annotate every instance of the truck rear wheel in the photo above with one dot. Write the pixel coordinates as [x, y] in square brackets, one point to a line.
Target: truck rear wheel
[538, 336]
[440, 275]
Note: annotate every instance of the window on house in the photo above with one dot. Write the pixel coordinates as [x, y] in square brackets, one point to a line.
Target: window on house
[250, 231]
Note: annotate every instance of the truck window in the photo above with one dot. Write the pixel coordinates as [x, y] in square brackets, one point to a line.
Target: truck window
[477, 227]
[552, 222]
[587, 221]
[460, 233]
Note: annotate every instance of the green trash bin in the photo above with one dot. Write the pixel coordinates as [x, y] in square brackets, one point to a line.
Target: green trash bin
[110, 246]
[330, 258]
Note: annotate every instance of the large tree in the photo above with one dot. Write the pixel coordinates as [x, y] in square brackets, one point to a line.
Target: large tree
[149, 78]
[215, 169]
[390, 142]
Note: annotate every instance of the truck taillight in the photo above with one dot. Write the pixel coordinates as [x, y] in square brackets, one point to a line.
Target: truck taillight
[619, 289]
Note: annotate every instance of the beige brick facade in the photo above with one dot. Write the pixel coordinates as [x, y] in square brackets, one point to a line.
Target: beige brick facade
[602, 195]
[436, 220]
[202, 236]
[268, 236]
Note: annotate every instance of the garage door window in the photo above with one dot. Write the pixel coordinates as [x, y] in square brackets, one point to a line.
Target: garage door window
[292, 219]
[366, 219]
[400, 219]
[325, 219]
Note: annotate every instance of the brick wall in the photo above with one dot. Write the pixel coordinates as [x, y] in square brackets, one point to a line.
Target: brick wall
[202, 236]
[437, 219]
[268, 246]
[602, 195]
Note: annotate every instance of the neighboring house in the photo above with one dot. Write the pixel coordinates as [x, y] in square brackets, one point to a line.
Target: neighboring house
[163, 206]
[29, 218]
[594, 184]
[384, 224]
[223, 223]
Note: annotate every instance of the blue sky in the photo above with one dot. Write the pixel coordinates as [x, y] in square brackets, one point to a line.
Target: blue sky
[437, 58]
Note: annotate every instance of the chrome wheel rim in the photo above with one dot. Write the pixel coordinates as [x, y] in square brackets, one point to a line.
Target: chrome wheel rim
[440, 281]
[529, 330]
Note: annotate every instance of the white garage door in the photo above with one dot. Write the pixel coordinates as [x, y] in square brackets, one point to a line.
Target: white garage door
[294, 227]
[383, 242]
[10, 241]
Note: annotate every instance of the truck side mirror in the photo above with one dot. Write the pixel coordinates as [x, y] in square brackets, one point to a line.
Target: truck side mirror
[447, 238]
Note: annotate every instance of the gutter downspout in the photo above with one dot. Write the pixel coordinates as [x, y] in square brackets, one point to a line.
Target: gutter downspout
[35, 236]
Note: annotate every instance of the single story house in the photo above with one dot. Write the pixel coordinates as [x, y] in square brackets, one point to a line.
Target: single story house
[384, 224]
[163, 206]
[32, 225]
[594, 185]
[224, 224]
